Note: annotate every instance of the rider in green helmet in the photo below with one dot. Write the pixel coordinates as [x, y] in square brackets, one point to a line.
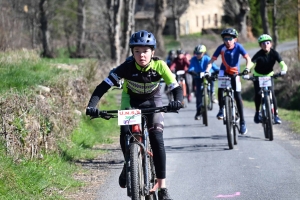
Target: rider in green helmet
[263, 63]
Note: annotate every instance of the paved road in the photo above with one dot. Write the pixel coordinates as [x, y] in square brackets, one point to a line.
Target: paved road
[200, 165]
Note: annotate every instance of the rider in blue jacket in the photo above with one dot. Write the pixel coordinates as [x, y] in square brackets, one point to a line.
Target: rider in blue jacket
[198, 64]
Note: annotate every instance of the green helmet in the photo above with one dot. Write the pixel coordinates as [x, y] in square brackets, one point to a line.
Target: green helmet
[200, 49]
[264, 37]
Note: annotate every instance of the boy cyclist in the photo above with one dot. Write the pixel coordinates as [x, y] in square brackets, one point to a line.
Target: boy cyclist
[198, 64]
[230, 52]
[141, 88]
[263, 62]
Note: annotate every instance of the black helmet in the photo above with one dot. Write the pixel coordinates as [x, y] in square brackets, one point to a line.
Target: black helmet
[179, 51]
[171, 52]
[142, 38]
[231, 32]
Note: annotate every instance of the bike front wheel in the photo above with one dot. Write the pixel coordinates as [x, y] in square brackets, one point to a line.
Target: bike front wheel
[204, 107]
[269, 120]
[229, 125]
[210, 100]
[137, 172]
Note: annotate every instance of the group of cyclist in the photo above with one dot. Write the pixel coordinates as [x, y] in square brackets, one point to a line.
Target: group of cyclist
[141, 85]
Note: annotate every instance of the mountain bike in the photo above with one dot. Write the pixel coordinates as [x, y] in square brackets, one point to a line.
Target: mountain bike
[230, 112]
[207, 96]
[267, 107]
[140, 171]
[180, 74]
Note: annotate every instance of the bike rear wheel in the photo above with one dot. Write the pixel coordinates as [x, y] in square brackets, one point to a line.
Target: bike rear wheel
[204, 107]
[137, 172]
[269, 119]
[152, 175]
[210, 100]
[229, 125]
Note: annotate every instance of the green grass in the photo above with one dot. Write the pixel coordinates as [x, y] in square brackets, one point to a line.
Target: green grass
[291, 116]
[35, 179]
[92, 132]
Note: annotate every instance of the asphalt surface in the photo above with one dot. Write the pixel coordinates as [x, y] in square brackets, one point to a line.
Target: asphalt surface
[200, 165]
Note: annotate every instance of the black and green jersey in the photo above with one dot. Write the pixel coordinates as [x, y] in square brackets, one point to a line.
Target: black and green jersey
[139, 83]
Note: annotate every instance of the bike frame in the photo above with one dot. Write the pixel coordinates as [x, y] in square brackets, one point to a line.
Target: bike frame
[267, 106]
[139, 137]
[229, 103]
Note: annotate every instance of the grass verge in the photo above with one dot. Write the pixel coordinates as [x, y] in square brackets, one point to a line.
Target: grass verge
[92, 132]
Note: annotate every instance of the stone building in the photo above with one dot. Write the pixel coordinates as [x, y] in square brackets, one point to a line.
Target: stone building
[198, 16]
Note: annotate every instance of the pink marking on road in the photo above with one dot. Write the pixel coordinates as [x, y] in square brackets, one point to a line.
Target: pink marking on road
[228, 195]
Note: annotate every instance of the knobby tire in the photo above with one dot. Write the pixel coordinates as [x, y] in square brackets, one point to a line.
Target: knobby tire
[235, 129]
[269, 119]
[152, 176]
[229, 125]
[210, 100]
[136, 171]
[204, 107]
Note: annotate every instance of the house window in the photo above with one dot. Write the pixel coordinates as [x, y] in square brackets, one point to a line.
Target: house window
[203, 22]
[197, 21]
[216, 20]
[208, 19]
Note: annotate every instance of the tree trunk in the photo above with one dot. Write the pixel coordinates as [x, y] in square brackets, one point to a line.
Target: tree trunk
[129, 26]
[244, 9]
[81, 19]
[114, 16]
[176, 21]
[264, 16]
[44, 28]
[275, 28]
[160, 21]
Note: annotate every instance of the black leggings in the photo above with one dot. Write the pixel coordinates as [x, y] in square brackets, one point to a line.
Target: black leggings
[237, 97]
[155, 127]
[257, 96]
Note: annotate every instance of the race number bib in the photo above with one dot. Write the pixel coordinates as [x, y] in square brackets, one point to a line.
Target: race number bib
[129, 117]
[265, 81]
[224, 82]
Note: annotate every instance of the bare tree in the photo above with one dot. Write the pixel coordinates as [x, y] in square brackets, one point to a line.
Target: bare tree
[44, 28]
[235, 15]
[275, 28]
[178, 8]
[264, 16]
[159, 25]
[129, 25]
[81, 19]
[114, 9]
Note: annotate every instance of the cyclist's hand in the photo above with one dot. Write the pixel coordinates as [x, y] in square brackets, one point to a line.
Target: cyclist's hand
[206, 75]
[246, 77]
[91, 111]
[175, 105]
[283, 73]
[246, 71]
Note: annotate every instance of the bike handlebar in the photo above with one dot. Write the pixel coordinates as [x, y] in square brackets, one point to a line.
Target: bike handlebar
[254, 78]
[108, 114]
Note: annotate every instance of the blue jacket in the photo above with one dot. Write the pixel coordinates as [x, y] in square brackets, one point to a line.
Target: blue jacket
[200, 65]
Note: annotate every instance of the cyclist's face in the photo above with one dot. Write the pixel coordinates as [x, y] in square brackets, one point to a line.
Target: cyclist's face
[199, 55]
[266, 45]
[229, 41]
[142, 55]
